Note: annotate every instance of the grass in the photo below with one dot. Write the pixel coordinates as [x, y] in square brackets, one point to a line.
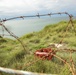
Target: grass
[13, 56]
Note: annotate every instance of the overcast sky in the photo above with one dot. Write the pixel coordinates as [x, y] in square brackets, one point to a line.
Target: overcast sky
[26, 7]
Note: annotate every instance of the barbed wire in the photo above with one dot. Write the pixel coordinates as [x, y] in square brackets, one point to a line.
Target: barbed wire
[23, 45]
[38, 15]
[12, 34]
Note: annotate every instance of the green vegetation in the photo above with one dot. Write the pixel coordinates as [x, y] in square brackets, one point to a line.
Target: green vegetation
[13, 56]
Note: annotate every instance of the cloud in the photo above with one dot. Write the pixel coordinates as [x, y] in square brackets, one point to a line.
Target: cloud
[17, 7]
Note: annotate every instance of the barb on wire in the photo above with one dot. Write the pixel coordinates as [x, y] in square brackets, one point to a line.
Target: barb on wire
[38, 15]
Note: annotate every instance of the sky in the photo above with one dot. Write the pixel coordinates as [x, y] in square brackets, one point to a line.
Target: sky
[10, 8]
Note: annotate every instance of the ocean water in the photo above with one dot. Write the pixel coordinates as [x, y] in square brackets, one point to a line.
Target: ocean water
[29, 25]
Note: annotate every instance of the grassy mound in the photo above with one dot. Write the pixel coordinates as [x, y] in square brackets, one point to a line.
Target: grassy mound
[13, 56]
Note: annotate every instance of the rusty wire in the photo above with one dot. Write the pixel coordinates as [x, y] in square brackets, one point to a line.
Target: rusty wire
[70, 22]
[72, 69]
[13, 35]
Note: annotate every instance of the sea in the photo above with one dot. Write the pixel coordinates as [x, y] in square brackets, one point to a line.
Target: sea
[22, 27]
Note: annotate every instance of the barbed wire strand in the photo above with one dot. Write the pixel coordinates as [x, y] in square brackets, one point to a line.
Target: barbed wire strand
[64, 33]
[65, 50]
[38, 15]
